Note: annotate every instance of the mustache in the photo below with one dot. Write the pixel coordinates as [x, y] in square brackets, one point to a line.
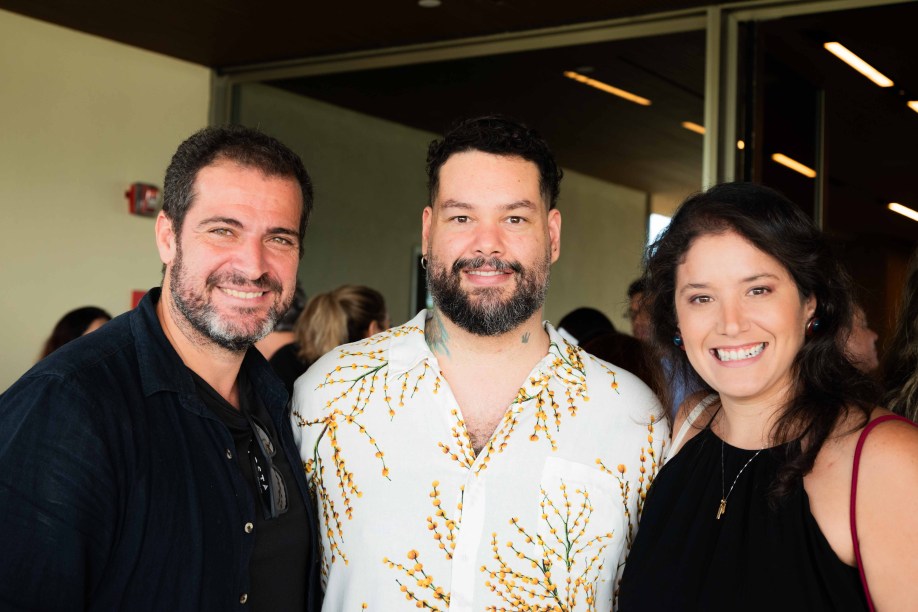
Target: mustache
[480, 262]
[263, 282]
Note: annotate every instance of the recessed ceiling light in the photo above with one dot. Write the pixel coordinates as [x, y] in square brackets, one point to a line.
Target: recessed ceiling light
[794, 165]
[845, 55]
[903, 210]
[429, 3]
[615, 91]
[693, 127]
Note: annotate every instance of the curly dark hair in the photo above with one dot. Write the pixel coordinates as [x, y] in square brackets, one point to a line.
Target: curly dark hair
[498, 135]
[827, 385]
[245, 146]
[900, 362]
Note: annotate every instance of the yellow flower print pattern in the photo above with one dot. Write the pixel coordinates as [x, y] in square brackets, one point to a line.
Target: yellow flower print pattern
[565, 365]
[647, 468]
[577, 555]
[419, 585]
[358, 381]
[559, 556]
[569, 546]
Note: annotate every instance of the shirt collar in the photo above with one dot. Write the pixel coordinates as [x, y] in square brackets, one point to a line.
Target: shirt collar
[409, 345]
[161, 368]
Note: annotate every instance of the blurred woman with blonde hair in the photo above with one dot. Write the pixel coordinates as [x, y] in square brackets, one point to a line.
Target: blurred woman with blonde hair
[346, 314]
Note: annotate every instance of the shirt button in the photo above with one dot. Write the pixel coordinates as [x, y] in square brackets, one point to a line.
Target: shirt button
[229, 454]
[243, 598]
[249, 528]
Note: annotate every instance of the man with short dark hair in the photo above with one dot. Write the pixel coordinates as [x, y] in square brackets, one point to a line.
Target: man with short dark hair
[472, 459]
[150, 465]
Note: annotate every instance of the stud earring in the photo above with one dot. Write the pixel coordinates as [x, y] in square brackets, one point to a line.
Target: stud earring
[812, 326]
[677, 340]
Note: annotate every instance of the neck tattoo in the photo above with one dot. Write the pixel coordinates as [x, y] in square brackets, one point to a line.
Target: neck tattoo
[436, 335]
[526, 338]
[722, 508]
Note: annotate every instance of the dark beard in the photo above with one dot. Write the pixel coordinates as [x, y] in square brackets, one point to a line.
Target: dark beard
[487, 315]
[197, 309]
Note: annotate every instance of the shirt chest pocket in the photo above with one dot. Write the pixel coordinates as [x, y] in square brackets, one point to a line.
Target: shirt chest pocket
[581, 531]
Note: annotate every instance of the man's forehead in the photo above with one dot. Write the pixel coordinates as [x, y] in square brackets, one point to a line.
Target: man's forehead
[476, 156]
[221, 187]
[232, 170]
[467, 176]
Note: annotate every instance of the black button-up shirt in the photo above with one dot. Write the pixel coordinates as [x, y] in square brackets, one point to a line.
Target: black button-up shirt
[118, 487]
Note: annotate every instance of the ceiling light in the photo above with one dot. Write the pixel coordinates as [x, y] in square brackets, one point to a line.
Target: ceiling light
[903, 210]
[615, 91]
[794, 165]
[429, 3]
[693, 127]
[740, 145]
[842, 53]
[913, 104]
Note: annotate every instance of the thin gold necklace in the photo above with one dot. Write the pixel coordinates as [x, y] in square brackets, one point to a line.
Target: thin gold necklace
[724, 497]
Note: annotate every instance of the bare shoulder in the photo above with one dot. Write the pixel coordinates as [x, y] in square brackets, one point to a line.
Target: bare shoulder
[887, 444]
[889, 458]
[886, 517]
[891, 437]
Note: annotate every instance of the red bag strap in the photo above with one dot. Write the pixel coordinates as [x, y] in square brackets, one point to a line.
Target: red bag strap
[857, 463]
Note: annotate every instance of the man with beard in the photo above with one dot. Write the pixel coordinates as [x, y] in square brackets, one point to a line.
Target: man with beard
[150, 465]
[472, 459]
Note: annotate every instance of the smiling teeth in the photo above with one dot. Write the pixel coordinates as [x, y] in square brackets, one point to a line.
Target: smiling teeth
[733, 355]
[246, 295]
[484, 273]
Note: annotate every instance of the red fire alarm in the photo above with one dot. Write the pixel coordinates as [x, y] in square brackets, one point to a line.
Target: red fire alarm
[143, 199]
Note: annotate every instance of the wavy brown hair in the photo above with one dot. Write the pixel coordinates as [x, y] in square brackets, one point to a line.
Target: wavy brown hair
[826, 385]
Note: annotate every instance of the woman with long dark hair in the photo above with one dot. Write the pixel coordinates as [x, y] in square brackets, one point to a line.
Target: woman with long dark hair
[773, 497]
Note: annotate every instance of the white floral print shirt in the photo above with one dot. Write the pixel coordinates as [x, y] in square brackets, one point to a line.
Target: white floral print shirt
[541, 519]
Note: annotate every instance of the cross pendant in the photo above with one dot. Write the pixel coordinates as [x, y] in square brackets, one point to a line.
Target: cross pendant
[722, 508]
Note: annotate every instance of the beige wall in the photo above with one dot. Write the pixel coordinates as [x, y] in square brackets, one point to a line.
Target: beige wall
[368, 176]
[80, 119]
[603, 230]
[369, 180]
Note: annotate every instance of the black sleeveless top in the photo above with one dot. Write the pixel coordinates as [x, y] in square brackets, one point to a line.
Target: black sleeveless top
[754, 558]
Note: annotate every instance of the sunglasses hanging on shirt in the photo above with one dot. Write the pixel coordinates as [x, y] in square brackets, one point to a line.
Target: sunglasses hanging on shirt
[271, 486]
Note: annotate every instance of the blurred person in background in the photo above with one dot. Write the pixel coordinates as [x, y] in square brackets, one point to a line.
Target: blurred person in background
[74, 324]
[583, 324]
[347, 314]
[861, 346]
[900, 361]
[283, 333]
[637, 311]
[594, 332]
